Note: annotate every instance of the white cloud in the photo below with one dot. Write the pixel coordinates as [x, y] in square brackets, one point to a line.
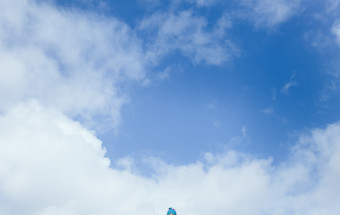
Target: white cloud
[216, 123]
[164, 75]
[332, 4]
[327, 44]
[204, 3]
[274, 94]
[268, 111]
[319, 40]
[244, 131]
[212, 105]
[285, 89]
[58, 64]
[188, 33]
[50, 164]
[66, 59]
[270, 13]
[336, 31]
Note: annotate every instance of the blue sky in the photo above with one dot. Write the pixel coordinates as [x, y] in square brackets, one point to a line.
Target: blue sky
[273, 86]
[207, 106]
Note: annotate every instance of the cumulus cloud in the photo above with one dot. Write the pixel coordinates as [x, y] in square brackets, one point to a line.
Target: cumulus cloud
[188, 33]
[66, 59]
[270, 13]
[57, 65]
[50, 164]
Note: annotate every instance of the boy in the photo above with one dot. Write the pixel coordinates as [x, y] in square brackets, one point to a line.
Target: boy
[171, 211]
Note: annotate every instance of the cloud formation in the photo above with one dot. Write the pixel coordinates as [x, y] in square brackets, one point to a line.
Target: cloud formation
[68, 60]
[57, 65]
[270, 13]
[188, 33]
[50, 164]
[204, 3]
[285, 89]
[336, 31]
[332, 4]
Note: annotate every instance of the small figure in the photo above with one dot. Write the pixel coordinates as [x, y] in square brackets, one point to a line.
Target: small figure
[171, 211]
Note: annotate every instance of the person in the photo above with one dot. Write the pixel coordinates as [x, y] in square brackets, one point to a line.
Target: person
[171, 211]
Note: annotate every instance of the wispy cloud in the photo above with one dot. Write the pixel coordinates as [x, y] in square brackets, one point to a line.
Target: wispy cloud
[287, 86]
[204, 3]
[188, 33]
[332, 4]
[285, 89]
[268, 111]
[274, 94]
[336, 31]
[212, 105]
[270, 13]
[327, 41]
[216, 123]
[244, 131]
[164, 74]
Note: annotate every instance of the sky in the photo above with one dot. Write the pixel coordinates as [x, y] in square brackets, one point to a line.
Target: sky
[207, 106]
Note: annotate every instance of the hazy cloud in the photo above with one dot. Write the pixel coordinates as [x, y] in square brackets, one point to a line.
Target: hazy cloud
[244, 131]
[204, 3]
[287, 86]
[336, 31]
[268, 111]
[332, 4]
[270, 13]
[212, 105]
[188, 33]
[274, 94]
[216, 123]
